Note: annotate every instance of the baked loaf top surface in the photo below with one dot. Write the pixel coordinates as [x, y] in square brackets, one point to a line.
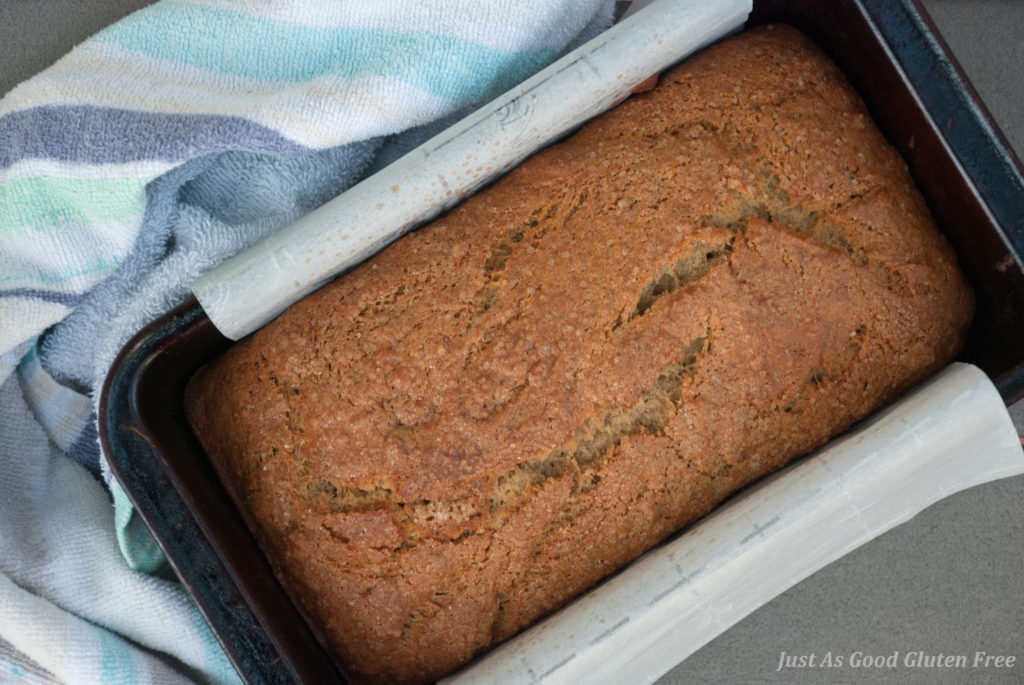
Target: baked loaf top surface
[501, 408]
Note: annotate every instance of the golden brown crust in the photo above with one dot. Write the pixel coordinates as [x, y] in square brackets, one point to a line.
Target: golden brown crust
[503, 407]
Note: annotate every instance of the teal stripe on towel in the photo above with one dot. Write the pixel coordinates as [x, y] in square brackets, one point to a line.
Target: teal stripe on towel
[41, 203]
[93, 266]
[117, 662]
[231, 42]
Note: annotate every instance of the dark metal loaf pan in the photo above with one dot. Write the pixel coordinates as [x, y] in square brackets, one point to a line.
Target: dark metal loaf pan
[921, 101]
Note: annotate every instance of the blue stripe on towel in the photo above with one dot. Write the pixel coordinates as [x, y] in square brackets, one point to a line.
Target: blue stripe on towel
[66, 299]
[86, 448]
[229, 42]
[101, 135]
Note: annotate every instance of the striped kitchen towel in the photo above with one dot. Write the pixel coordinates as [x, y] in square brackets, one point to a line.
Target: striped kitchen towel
[147, 155]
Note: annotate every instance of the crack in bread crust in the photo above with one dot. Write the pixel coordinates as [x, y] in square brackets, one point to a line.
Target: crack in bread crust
[601, 432]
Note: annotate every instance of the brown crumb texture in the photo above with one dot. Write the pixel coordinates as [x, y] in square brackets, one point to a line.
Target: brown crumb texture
[500, 409]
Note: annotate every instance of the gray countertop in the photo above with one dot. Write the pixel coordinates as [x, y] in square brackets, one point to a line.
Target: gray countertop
[950, 581]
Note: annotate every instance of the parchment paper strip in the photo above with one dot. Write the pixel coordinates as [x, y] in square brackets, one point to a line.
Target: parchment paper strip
[250, 289]
[951, 433]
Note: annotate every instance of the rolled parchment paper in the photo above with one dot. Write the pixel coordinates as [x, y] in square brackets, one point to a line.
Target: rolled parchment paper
[250, 289]
[951, 433]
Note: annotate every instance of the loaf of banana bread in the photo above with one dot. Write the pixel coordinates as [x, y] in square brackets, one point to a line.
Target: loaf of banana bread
[498, 410]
